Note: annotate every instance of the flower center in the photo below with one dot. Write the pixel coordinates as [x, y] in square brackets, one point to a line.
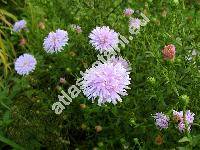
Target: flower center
[103, 40]
[25, 63]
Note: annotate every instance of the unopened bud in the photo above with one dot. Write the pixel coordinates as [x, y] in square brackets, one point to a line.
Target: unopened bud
[185, 99]
[62, 80]
[98, 128]
[169, 52]
[22, 42]
[41, 25]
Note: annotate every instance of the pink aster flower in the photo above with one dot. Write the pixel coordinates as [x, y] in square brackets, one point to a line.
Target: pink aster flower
[25, 64]
[169, 52]
[134, 23]
[104, 39]
[128, 12]
[107, 82]
[161, 120]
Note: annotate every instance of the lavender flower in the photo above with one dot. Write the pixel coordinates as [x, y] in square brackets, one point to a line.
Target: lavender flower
[55, 41]
[189, 118]
[19, 25]
[162, 121]
[107, 82]
[128, 12]
[181, 127]
[104, 39]
[25, 64]
[134, 23]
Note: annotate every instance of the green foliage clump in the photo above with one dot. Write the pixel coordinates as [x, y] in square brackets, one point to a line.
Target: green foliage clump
[27, 120]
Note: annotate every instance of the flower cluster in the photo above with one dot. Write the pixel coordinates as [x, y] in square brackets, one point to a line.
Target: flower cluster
[55, 41]
[161, 120]
[182, 123]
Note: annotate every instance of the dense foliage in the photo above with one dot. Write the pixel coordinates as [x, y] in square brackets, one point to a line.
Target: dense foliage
[27, 120]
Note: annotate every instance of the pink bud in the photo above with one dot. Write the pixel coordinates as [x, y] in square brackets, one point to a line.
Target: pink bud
[62, 80]
[128, 12]
[22, 42]
[169, 52]
[78, 29]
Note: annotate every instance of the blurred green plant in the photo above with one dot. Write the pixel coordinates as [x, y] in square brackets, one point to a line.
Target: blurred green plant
[4, 25]
[26, 115]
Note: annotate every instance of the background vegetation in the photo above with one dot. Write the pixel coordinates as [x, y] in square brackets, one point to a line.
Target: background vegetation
[27, 121]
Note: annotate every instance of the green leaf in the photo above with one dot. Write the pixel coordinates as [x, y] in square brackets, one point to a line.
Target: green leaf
[184, 139]
[11, 143]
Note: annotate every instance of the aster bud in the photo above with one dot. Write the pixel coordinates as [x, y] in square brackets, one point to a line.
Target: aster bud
[122, 140]
[100, 144]
[22, 42]
[72, 53]
[169, 52]
[128, 12]
[151, 80]
[83, 126]
[58, 88]
[78, 29]
[164, 13]
[189, 18]
[41, 25]
[184, 99]
[83, 106]
[176, 2]
[98, 128]
[68, 69]
[159, 140]
[132, 121]
[62, 80]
